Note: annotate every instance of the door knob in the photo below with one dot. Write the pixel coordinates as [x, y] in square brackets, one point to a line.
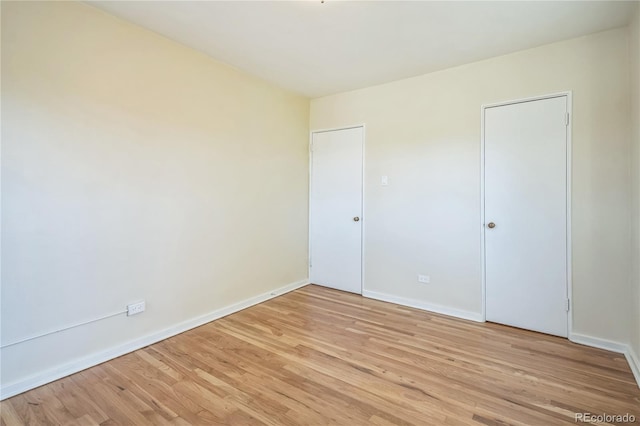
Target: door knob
[491, 225]
[355, 219]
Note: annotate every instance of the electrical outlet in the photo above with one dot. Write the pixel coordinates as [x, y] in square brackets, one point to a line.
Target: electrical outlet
[135, 308]
[425, 279]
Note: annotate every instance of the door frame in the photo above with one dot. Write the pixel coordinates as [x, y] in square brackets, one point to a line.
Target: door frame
[362, 204]
[569, 289]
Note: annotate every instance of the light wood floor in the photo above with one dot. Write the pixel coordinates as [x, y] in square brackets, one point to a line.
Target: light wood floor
[318, 356]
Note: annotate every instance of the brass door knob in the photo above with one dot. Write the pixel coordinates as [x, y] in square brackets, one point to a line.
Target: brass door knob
[491, 225]
[356, 219]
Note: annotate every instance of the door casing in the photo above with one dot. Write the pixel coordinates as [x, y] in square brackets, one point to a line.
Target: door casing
[483, 229]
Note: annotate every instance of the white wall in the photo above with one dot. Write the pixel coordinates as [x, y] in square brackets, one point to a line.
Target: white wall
[634, 45]
[424, 133]
[136, 168]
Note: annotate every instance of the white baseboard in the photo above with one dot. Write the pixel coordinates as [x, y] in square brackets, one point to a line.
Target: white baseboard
[53, 374]
[634, 363]
[412, 303]
[596, 342]
[621, 348]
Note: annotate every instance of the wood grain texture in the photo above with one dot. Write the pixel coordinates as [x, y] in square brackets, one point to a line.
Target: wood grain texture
[318, 356]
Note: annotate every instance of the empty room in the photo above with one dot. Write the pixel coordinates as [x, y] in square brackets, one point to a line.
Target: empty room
[320, 212]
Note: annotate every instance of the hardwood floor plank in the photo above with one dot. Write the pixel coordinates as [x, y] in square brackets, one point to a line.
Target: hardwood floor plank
[85, 420]
[9, 416]
[318, 356]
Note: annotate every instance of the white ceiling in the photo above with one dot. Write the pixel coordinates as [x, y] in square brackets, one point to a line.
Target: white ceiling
[318, 49]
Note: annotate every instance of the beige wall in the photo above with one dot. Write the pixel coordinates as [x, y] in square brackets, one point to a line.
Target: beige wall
[634, 45]
[424, 133]
[136, 168]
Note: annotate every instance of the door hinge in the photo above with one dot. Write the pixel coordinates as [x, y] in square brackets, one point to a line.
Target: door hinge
[568, 305]
[566, 119]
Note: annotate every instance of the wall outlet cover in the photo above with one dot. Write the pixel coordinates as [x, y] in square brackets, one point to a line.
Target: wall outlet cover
[136, 308]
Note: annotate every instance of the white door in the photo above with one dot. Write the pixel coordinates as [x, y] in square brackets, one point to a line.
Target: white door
[336, 209]
[525, 166]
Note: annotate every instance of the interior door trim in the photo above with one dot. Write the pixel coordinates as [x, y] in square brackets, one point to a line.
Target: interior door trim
[483, 108]
[362, 205]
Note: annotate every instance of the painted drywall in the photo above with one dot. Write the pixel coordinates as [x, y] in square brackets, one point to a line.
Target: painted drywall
[634, 54]
[135, 168]
[424, 134]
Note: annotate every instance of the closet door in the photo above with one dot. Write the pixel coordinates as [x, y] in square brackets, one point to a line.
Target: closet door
[525, 154]
[336, 209]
